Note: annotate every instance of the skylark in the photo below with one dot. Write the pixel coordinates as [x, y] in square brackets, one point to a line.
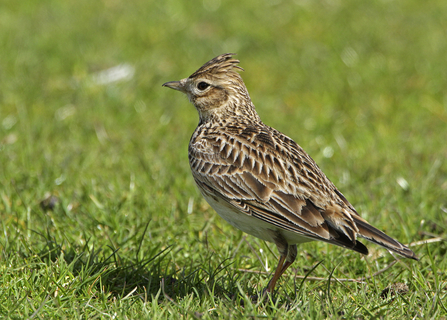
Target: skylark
[261, 181]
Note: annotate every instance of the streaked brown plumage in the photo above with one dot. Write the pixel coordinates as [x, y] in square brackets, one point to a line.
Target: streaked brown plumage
[260, 180]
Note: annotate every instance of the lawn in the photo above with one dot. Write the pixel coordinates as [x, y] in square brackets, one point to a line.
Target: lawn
[100, 217]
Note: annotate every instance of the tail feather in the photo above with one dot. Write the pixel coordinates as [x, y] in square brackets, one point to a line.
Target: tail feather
[372, 234]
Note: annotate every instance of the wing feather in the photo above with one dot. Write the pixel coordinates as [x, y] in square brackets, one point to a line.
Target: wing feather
[267, 175]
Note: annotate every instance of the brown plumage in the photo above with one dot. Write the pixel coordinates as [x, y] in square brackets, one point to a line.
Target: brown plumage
[260, 180]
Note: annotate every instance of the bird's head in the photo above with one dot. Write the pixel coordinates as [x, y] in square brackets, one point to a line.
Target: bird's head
[216, 89]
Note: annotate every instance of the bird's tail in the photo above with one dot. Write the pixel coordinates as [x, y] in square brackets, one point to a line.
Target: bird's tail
[372, 234]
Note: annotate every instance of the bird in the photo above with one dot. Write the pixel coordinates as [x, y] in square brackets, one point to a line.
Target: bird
[261, 181]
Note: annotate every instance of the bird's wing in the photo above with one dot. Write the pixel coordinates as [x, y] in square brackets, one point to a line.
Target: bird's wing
[267, 175]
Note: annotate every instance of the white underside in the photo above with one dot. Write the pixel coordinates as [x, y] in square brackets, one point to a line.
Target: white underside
[251, 225]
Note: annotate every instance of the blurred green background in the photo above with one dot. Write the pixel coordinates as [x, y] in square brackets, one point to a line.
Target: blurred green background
[360, 85]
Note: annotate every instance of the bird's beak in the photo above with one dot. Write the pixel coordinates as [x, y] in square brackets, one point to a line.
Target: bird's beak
[176, 85]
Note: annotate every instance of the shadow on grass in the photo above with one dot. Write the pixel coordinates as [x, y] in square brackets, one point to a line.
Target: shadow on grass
[104, 271]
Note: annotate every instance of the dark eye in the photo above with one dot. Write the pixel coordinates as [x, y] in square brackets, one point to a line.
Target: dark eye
[202, 86]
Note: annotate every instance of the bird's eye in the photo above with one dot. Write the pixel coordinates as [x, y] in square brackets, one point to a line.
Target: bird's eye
[202, 86]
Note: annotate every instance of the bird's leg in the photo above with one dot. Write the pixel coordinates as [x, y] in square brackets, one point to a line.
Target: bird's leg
[277, 274]
[288, 255]
[291, 256]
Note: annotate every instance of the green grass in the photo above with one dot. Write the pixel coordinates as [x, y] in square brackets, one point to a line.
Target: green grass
[360, 85]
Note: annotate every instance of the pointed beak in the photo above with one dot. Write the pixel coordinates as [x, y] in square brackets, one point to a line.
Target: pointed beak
[176, 85]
